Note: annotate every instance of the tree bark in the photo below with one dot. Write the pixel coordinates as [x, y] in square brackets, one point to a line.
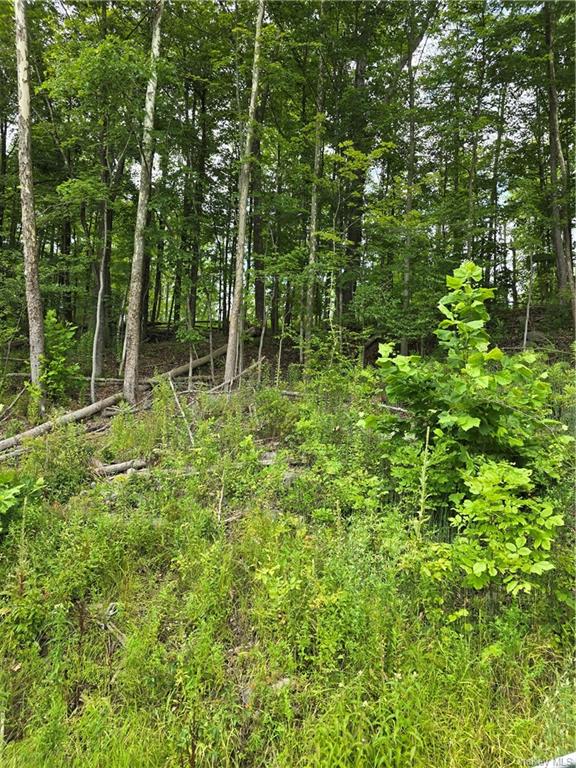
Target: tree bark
[257, 222]
[32, 280]
[558, 173]
[312, 238]
[3, 171]
[198, 205]
[407, 277]
[135, 296]
[243, 188]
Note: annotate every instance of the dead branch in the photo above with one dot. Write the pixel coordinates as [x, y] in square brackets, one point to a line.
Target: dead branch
[66, 418]
[109, 470]
[181, 410]
[8, 408]
[215, 389]
[93, 408]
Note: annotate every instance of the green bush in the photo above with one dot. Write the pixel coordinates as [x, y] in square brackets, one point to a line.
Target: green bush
[59, 375]
[478, 414]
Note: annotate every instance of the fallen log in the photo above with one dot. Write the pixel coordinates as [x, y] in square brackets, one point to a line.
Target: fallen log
[109, 470]
[11, 454]
[100, 405]
[66, 418]
[182, 370]
[251, 367]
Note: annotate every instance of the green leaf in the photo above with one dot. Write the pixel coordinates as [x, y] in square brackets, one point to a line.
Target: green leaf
[467, 422]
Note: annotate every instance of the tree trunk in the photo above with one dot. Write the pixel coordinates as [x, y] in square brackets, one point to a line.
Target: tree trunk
[355, 206]
[3, 172]
[257, 238]
[97, 341]
[198, 205]
[243, 187]
[33, 298]
[409, 182]
[494, 216]
[158, 274]
[312, 238]
[135, 295]
[558, 174]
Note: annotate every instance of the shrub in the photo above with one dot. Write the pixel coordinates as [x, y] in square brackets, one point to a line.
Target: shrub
[492, 447]
[59, 375]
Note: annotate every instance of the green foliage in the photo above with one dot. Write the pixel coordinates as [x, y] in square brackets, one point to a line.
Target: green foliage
[205, 613]
[15, 490]
[61, 459]
[487, 413]
[59, 374]
[10, 497]
[505, 532]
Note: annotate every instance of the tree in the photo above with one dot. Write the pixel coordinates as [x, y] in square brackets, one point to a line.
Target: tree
[134, 314]
[243, 188]
[561, 229]
[33, 297]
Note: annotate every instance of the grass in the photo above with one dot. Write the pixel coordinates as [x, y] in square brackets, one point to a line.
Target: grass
[218, 612]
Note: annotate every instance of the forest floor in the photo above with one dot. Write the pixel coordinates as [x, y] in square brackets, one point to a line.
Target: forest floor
[255, 597]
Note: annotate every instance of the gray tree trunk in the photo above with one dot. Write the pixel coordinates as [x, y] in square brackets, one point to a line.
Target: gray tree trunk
[243, 187]
[312, 238]
[33, 298]
[407, 277]
[558, 173]
[133, 318]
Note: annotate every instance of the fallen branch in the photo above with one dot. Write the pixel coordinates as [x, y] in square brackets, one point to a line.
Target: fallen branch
[8, 408]
[179, 406]
[395, 408]
[234, 378]
[93, 408]
[109, 470]
[66, 418]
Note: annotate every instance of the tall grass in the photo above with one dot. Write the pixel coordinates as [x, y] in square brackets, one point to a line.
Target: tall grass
[218, 612]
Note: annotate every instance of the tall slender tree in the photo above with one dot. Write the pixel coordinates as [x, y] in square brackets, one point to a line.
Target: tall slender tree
[561, 233]
[134, 318]
[33, 297]
[243, 189]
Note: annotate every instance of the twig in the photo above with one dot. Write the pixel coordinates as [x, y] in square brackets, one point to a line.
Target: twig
[221, 499]
[238, 376]
[179, 405]
[12, 404]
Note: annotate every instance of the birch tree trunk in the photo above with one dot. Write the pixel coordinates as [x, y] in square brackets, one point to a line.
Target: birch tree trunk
[33, 298]
[97, 341]
[243, 187]
[133, 318]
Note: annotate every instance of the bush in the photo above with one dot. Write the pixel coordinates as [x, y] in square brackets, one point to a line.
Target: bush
[480, 433]
[59, 375]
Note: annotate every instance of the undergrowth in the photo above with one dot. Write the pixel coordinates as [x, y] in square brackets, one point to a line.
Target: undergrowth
[221, 610]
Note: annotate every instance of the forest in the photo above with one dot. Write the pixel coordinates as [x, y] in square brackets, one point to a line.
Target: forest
[287, 391]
